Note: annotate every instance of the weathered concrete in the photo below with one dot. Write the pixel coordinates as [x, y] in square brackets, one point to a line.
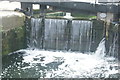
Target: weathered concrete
[10, 20]
[107, 18]
[97, 33]
[13, 31]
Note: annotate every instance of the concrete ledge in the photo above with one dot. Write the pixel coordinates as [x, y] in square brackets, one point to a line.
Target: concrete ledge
[11, 19]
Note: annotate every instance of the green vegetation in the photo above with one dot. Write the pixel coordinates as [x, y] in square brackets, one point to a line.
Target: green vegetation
[56, 14]
[83, 15]
[60, 14]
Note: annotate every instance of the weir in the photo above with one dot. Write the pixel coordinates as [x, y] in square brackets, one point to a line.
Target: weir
[64, 53]
[60, 34]
[65, 48]
[72, 38]
[60, 48]
[70, 35]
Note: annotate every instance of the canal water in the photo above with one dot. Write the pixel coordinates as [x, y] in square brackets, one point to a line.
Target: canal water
[61, 49]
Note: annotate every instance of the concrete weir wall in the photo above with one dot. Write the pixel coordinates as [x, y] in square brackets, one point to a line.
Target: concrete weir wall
[13, 31]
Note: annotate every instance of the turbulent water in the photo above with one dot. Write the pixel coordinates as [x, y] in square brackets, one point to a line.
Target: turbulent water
[59, 58]
[60, 64]
[101, 51]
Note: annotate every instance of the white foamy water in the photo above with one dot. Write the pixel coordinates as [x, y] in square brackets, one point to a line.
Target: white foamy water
[101, 51]
[62, 64]
[74, 65]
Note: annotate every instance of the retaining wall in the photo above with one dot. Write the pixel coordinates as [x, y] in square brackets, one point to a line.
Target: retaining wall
[13, 31]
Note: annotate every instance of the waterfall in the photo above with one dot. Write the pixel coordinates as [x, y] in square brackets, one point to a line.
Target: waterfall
[54, 33]
[81, 35]
[60, 34]
[35, 33]
[101, 50]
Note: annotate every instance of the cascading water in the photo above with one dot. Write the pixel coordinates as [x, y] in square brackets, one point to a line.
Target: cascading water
[60, 35]
[81, 35]
[54, 34]
[101, 51]
[35, 33]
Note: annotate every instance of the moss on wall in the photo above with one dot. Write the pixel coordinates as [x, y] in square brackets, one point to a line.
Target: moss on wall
[13, 40]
